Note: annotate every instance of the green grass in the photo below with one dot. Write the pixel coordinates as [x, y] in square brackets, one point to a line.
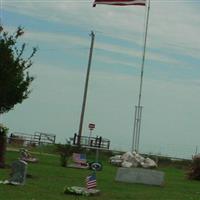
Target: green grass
[48, 180]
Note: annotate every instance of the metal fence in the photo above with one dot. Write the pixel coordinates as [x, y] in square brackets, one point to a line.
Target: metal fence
[92, 142]
[25, 139]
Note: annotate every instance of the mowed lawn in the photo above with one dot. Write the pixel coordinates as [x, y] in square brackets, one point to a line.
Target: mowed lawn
[48, 180]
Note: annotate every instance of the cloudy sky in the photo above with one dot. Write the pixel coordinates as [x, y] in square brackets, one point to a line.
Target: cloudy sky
[171, 87]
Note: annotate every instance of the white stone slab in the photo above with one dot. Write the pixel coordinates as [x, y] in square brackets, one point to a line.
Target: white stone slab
[139, 175]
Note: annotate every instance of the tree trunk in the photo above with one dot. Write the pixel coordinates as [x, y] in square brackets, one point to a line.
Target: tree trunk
[2, 150]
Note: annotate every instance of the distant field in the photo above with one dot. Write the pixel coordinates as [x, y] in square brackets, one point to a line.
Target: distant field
[49, 180]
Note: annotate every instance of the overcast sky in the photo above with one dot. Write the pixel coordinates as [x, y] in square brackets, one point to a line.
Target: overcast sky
[171, 87]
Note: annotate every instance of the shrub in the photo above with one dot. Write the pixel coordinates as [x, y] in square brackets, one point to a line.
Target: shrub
[194, 171]
[3, 130]
[65, 151]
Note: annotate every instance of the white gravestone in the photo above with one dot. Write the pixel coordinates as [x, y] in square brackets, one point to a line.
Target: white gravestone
[19, 170]
[139, 175]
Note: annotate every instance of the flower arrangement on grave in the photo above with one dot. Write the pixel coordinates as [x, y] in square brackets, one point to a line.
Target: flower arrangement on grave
[76, 190]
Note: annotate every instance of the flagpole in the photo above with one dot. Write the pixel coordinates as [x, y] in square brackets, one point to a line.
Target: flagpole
[138, 108]
[85, 89]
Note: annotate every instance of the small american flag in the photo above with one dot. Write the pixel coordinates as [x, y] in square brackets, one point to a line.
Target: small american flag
[91, 181]
[79, 158]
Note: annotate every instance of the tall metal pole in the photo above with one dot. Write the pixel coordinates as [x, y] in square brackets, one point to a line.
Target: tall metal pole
[86, 88]
[138, 108]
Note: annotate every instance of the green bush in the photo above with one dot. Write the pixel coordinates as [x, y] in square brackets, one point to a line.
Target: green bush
[194, 170]
[65, 151]
[3, 130]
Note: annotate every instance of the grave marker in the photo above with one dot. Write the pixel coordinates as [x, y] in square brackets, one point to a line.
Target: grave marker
[19, 170]
[139, 175]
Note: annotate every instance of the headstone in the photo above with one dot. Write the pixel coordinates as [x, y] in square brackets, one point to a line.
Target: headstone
[139, 175]
[19, 169]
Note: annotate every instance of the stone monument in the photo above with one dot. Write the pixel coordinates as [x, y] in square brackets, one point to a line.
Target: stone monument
[18, 174]
[140, 175]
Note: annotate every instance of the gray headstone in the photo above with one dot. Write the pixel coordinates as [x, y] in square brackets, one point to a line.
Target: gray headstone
[139, 175]
[19, 169]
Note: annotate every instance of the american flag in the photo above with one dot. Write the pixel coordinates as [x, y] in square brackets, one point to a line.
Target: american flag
[79, 158]
[91, 181]
[120, 2]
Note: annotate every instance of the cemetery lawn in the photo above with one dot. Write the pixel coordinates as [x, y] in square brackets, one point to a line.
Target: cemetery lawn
[49, 179]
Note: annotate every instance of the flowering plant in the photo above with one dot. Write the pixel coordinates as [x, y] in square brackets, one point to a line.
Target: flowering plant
[3, 130]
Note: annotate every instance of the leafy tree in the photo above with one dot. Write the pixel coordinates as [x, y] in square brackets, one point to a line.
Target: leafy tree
[3, 132]
[14, 77]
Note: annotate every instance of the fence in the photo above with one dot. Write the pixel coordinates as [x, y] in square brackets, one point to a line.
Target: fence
[92, 142]
[35, 139]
